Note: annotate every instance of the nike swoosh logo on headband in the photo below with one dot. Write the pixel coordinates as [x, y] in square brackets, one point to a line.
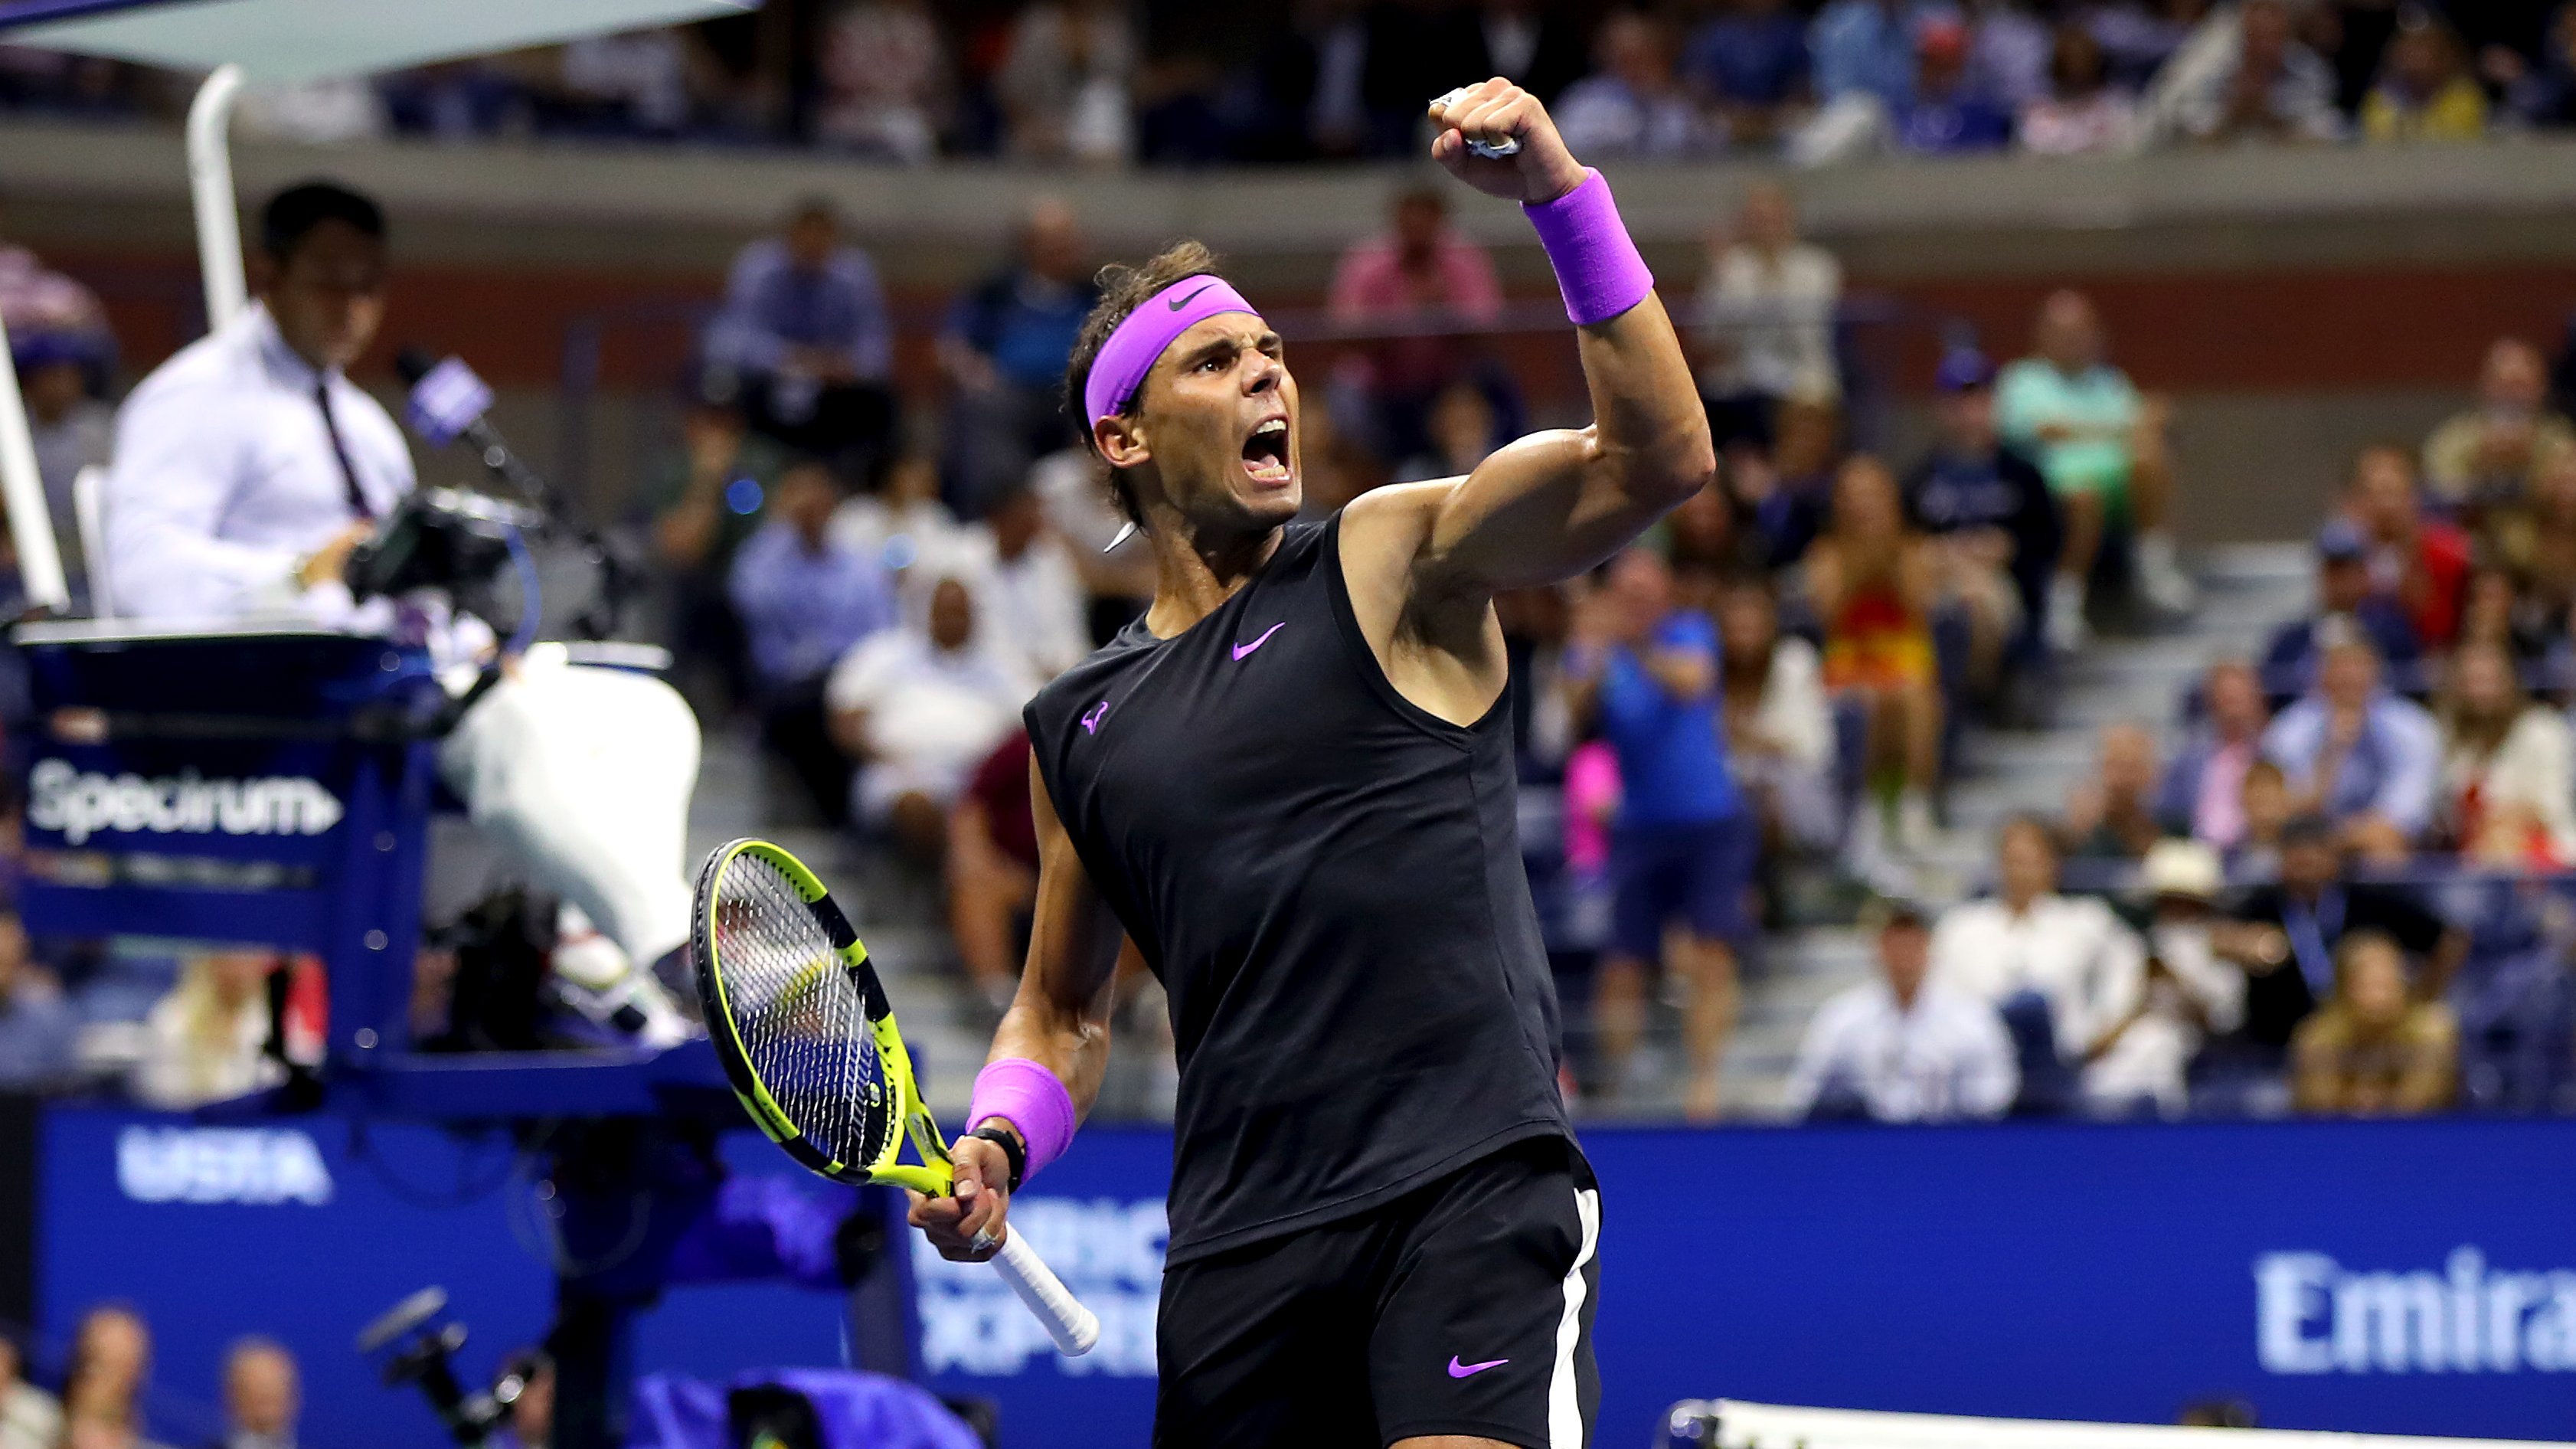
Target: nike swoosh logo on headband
[1178, 303]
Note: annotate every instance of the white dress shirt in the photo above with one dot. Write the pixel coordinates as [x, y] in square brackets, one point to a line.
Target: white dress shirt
[2072, 951]
[1945, 1057]
[225, 477]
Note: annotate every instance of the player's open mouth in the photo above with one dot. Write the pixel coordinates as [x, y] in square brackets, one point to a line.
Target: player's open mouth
[1265, 453]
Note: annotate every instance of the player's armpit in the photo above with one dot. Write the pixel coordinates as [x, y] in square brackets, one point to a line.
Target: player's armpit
[1060, 1015]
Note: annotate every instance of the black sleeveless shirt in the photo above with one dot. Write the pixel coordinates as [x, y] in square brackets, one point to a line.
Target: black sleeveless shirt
[1326, 879]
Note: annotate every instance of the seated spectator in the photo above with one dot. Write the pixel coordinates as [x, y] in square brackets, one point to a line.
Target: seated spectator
[918, 708]
[1633, 104]
[30, 1418]
[1864, 63]
[2536, 542]
[262, 1397]
[2526, 628]
[2425, 91]
[993, 870]
[902, 524]
[805, 336]
[1028, 591]
[2203, 791]
[2545, 94]
[704, 501]
[2139, 39]
[805, 599]
[2346, 606]
[2302, 921]
[2366, 759]
[1990, 510]
[2266, 806]
[1681, 860]
[1901, 1048]
[2101, 445]
[2375, 1050]
[1063, 81]
[1948, 114]
[2082, 111]
[2009, 52]
[2508, 766]
[1422, 274]
[36, 1028]
[884, 73]
[1781, 497]
[1461, 431]
[2060, 969]
[1872, 582]
[2139, 1061]
[2269, 88]
[69, 425]
[1766, 320]
[1003, 353]
[103, 1384]
[1749, 62]
[2114, 816]
[2493, 453]
[1779, 726]
[206, 1041]
[2422, 563]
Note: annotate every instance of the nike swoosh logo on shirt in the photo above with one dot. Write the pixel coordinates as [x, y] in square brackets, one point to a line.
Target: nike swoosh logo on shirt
[1459, 1370]
[1091, 719]
[1178, 303]
[1242, 649]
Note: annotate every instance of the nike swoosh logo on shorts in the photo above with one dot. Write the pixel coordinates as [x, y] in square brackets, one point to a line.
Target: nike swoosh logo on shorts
[1242, 649]
[1459, 1370]
[1178, 303]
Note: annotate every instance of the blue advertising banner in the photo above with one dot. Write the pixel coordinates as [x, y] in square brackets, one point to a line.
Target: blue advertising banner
[2411, 1277]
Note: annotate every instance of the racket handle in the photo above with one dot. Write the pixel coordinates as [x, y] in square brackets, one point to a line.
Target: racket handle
[1073, 1327]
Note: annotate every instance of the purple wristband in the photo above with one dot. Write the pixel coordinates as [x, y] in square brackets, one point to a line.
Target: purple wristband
[1030, 1098]
[1597, 267]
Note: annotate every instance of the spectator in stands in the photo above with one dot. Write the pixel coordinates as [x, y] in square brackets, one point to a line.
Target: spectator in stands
[262, 1396]
[103, 1383]
[1766, 319]
[2203, 792]
[2139, 39]
[1633, 104]
[2114, 816]
[2374, 1049]
[2266, 806]
[2301, 922]
[1063, 83]
[704, 501]
[2508, 765]
[1003, 352]
[1646, 673]
[1779, 725]
[71, 428]
[806, 599]
[206, 1041]
[1028, 593]
[1990, 510]
[1420, 275]
[1460, 428]
[2545, 94]
[2346, 605]
[1782, 496]
[2269, 88]
[2422, 563]
[1864, 51]
[902, 524]
[2493, 453]
[2060, 969]
[1749, 62]
[2101, 445]
[1902, 1048]
[1948, 113]
[2530, 628]
[2009, 52]
[2082, 111]
[1873, 582]
[2367, 759]
[885, 79]
[2138, 1062]
[993, 869]
[30, 1418]
[2425, 91]
[918, 708]
[36, 1028]
[805, 335]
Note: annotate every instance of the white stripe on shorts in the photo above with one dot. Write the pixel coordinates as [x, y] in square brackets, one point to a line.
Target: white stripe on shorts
[1564, 1406]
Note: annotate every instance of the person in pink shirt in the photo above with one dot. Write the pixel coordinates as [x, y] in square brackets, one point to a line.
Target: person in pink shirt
[1419, 274]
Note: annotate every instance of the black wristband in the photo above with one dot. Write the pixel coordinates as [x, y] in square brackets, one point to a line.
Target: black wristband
[1012, 1148]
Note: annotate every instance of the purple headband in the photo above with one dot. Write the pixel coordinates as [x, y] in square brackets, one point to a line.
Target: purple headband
[1137, 342]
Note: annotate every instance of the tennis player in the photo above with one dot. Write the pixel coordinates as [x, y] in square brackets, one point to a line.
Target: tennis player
[1290, 785]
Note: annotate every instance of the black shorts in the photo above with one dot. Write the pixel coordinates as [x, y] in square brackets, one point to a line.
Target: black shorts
[1462, 1308]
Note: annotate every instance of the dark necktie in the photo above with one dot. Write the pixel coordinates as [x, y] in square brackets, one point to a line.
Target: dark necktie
[340, 450]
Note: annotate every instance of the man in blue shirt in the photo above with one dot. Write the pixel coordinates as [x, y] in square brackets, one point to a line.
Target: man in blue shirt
[804, 599]
[1004, 352]
[1682, 852]
[805, 337]
[35, 1025]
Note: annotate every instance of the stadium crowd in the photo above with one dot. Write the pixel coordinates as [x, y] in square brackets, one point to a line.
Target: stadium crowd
[1096, 82]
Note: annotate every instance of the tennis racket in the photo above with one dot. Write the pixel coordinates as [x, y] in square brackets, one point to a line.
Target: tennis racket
[809, 1043]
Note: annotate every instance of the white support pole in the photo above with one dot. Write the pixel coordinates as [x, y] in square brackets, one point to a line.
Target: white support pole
[210, 186]
[22, 487]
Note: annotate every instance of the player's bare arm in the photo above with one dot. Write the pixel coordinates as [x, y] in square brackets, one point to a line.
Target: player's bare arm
[1423, 561]
[1060, 1019]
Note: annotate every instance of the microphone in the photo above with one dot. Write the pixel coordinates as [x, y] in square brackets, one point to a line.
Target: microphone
[449, 402]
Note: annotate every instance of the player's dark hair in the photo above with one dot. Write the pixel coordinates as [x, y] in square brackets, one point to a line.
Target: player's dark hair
[292, 214]
[1122, 290]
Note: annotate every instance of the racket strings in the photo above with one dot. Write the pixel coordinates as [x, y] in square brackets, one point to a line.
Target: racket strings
[798, 1014]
